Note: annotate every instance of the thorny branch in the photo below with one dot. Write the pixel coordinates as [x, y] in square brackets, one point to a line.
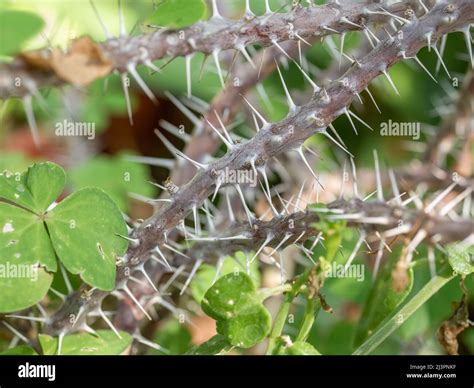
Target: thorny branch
[124, 53]
[273, 139]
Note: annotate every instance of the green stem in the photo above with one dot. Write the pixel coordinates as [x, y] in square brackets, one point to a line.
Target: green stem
[279, 324]
[393, 323]
[313, 306]
[266, 293]
[280, 318]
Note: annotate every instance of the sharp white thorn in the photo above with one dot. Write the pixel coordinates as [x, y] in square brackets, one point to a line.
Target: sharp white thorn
[291, 104]
[396, 191]
[281, 49]
[247, 56]
[218, 186]
[354, 252]
[107, 33]
[215, 55]
[16, 332]
[343, 36]
[160, 162]
[419, 237]
[261, 248]
[109, 323]
[244, 204]
[467, 36]
[325, 133]
[316, 88]
[360, 120]
[444, 40]
[390, 81]
[224, 140]
[196, 220]
[30, 116]
[424, 68]
[354, 176]
[191, 275]
[123, 32]
[300, 195]
[131, 69]
[148, 279]
[265, 122]
[305, 161]
[166, 125]
[132, 297]
[451, 204]
[60, 342]
[67, 282]
[378, 258]
[187, 61]
[350, 120]
[230, 211]
[373, 99]
[183, 109]
[215, 10]
[378, 177]
[435, 49]
[124, 78]
[439, 198]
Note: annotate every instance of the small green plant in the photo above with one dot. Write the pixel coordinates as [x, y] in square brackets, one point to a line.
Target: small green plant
[82, 232]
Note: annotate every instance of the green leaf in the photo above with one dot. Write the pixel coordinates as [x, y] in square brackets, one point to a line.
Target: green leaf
[249, 327]
[83, 229]
[207, 274]
[298, 348]
[36, 189]
[24, 247]
[229, 294]
[216, 345]
[461, 258]
[16, 28]
[22, 350]
[19, 293]
[241, 317]
[105, 343]
[116, 176]
[178, 13]
[24, 239]
[382, 301]
[174, 337]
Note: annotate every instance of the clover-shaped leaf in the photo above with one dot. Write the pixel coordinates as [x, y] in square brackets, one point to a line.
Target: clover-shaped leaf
[81, 231]
[241, 317]
[106, 342]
